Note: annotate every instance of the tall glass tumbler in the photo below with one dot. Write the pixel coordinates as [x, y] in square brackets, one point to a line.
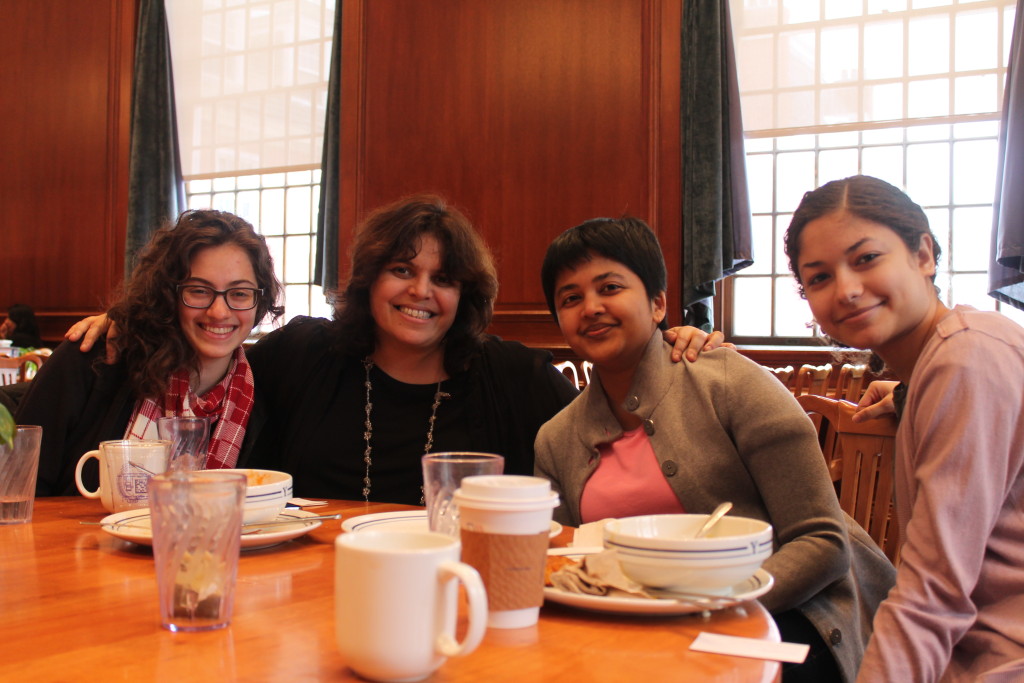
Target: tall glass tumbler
[190, 439]
[197, 532]
[442, 474]
[19, 463]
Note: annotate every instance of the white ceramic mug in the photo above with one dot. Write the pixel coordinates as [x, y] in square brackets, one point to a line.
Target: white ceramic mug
[125, 469]
[396, 603]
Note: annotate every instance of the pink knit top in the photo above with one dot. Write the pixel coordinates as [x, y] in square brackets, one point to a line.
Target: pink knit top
[627, 482]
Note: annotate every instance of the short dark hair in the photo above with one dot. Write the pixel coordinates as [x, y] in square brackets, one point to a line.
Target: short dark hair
[24, 319]
[627, 240]
[149, 336]
[865, 197]
[393, 232]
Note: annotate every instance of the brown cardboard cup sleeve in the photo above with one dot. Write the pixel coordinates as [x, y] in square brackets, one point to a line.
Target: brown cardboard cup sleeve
[512, 567]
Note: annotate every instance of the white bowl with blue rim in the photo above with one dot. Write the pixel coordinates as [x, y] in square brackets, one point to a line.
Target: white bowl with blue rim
[660, 551]
[266, 493]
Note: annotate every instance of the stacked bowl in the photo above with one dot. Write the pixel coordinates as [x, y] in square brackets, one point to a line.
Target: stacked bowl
[266, 494]
[660, 551]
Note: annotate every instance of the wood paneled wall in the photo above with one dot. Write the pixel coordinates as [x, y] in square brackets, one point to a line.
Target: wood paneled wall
[531, 115]
[65, 79]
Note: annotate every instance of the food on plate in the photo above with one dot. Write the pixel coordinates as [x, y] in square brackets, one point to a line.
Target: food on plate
[556, 563]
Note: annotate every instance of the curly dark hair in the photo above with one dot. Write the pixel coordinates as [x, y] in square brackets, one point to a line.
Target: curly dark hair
[149, 337]
[393, 233]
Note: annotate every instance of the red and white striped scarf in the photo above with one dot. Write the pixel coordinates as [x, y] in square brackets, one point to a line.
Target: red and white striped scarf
[228, 405]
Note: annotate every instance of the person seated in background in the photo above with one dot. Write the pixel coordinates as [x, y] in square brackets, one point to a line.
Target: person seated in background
[21, 327]
[649, 437]
[199, 288]
[865, 259]
[406, 367]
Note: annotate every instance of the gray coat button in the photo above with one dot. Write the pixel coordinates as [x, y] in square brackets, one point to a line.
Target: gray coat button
[632, 403]
[649, 427]
[835, 636]
[669, 468]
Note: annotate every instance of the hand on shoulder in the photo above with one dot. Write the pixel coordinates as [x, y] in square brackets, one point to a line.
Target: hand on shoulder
[689, 341]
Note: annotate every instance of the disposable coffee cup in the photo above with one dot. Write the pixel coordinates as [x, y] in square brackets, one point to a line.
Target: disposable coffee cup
[505, 523]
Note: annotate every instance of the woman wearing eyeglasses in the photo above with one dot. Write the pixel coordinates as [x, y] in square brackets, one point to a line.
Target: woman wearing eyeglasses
[199, 288]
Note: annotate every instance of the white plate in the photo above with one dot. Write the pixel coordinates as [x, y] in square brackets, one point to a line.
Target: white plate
[757, 585]
[415, 520]
[134, 526]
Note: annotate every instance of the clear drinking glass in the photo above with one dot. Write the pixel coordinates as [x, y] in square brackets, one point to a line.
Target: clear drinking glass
[442, 474]
[190, 439]
[197, 532]
[19, 463]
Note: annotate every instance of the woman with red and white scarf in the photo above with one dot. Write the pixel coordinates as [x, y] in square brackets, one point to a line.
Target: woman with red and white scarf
[199, 288]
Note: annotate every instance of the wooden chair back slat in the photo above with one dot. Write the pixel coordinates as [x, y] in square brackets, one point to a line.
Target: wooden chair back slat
[812, 379]
[851, 382]
[784, 375]
[863, 457]
[568, 368]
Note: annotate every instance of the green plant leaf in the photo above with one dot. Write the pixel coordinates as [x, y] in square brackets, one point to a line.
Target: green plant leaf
[7, 426]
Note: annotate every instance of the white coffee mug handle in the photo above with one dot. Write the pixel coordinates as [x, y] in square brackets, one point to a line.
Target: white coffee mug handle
[78, 475]
[477, 598]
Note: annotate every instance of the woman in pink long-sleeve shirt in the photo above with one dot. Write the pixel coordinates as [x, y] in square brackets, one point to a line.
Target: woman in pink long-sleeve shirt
[865, 260]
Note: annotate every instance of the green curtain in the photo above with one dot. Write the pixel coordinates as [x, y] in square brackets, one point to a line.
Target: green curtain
[156, 191]
[1006, 270]
[716, 208]
[326, 271]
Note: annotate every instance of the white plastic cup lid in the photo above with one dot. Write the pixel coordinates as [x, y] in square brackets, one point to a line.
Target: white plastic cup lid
[505, 487]
[508, 492]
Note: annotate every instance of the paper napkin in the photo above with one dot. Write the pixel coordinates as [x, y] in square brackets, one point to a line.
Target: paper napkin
[750, 647]
[589, 535]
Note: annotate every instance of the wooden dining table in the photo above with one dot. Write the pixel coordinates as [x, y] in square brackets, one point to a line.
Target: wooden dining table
[78, 604]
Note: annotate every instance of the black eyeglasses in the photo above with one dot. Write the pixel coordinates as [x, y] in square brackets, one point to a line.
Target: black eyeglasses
[237, 298]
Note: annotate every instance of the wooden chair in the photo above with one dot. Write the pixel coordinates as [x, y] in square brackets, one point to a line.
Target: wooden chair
[850, 385]
[32, 363]
[861, 457]
[812, 379]
[13, 370]
[784, 375]
[587, 368]
[568, 368]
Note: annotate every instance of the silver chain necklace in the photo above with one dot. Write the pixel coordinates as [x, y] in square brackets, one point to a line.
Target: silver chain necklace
[368, 427]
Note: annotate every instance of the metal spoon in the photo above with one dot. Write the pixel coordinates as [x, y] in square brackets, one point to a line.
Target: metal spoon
[713, 519]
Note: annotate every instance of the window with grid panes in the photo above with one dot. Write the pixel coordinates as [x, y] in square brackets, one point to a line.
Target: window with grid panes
[251, 89]
[905, 90]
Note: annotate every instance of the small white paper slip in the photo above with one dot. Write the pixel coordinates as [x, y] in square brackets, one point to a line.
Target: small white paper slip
[303, 503]
[750, 647]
